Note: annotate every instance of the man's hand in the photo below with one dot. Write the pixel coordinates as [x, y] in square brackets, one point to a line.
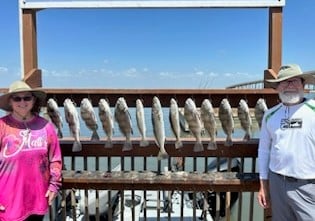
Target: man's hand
[263, 194]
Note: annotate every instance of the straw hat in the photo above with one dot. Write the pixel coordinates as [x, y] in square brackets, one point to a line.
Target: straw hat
[291, 71]
[16, 87]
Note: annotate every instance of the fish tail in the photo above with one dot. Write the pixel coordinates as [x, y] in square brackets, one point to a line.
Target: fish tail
[178, 144]
[162, 155]
[246, 137]
[144, 143]
[198, 147]
[228, 141]
[77, 146]
[108, 143]
[212, 145]
[95, 135]
[127, 146]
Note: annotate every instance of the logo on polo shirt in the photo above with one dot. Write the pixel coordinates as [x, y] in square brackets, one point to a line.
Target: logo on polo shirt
[291, 124]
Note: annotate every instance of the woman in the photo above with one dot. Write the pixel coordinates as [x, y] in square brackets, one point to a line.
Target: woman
[30, 156]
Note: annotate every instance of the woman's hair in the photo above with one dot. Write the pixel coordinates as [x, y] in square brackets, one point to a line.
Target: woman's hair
[37, 105]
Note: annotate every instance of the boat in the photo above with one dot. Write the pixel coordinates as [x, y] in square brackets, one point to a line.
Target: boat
[81, 206]
[178, 205]
[216, 201]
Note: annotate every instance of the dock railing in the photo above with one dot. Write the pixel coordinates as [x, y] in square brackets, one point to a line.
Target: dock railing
[145, 179]
[90, 172]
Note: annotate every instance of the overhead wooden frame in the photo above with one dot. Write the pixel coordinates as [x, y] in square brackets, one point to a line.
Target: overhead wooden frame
[29, 4]
[28, 27]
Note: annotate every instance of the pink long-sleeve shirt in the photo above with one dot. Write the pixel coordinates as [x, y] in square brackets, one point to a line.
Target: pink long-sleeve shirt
[30, 164]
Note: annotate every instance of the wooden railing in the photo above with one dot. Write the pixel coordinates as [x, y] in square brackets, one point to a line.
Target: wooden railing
[132, 178]
[92, 168]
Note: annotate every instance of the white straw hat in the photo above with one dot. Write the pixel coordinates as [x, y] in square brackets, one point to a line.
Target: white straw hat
[291, 71]
[16, 87]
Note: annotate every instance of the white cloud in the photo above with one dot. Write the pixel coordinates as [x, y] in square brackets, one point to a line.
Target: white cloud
[131, 72]
[199, 73]
[4, 70]
[165, 74]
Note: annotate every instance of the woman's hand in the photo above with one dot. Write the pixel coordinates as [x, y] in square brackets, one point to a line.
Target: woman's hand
[51, 196]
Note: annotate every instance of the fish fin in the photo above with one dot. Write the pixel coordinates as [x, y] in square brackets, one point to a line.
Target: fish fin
[198, 147]
[95, 135]
[77, 146]
[108, 144]
[178, 144]
[212, 145]
[246, 137]
[228, 142]
[127, 146]
[144, 143]
[162, 155]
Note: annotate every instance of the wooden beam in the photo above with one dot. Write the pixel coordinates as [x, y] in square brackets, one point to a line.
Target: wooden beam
[275, 39]
[269, 74]
[152, 4]
[147, 180]
[215, 95]
[240, 148]
[34, 78]
[31, 73]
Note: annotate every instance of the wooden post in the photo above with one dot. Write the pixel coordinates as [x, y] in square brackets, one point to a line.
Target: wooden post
[275, 39]
[33, 78]
[32, 75]
[267, 214]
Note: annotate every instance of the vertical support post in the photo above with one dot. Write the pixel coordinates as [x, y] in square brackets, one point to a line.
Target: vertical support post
[32, 75]
[275, 41]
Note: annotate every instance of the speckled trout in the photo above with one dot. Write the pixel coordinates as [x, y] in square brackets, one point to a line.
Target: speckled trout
[174, 121]
[227, 121]
[123, 118]
[158, 127]
[260, 109]
[106, 118]
[245, 118]
[141, 123]
[208, 118]
[89, 117]
[193, 119]
[72, 118]
[55, 115]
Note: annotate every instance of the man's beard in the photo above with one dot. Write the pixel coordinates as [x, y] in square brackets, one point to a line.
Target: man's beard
[291, 97]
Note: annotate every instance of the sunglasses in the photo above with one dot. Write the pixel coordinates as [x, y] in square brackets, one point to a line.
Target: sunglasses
[19, 99]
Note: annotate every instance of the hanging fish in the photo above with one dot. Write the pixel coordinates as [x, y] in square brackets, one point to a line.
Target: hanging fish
[141, 123]
[245, 118]
[193, 119]
[123, 118]
[260, 109]
[209, 122]
[72, 118]
[106, 118]
[89, 117]
[158, 127]
[55, 115]
[227, 121]
[175, 124]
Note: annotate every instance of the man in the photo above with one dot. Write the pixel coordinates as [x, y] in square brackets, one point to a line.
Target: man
[286, 153]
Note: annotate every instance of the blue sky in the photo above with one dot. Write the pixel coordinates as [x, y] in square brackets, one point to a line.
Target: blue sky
[155, 48]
